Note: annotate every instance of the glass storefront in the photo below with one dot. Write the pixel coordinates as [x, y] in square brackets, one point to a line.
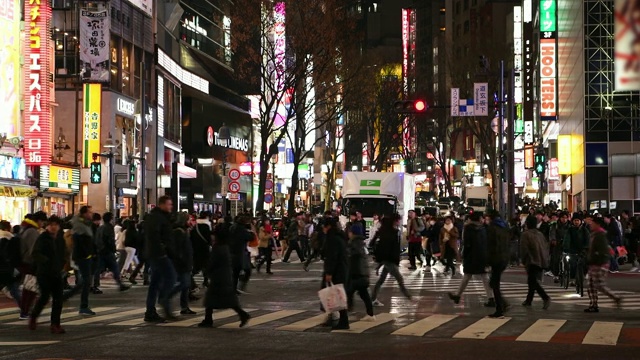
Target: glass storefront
[55, 205]
[13, 209]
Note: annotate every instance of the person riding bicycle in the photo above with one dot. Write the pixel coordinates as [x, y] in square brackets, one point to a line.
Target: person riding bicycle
[559, 228]
[576, 242]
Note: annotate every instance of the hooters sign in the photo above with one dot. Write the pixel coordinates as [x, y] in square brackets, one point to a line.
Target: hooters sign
[37, 130]
[548, 61]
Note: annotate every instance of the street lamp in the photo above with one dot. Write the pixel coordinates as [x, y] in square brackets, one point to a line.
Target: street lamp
[224, 137]
[61, 145]
[110, 144]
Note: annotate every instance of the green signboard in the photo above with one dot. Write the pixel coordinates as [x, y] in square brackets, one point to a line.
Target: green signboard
[548, 22]
[371, 183]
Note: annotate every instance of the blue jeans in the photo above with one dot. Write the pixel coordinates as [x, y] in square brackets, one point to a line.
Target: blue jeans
[161, 285]
[14, 290]
[84, 270]
[184, 284]
[106, 261]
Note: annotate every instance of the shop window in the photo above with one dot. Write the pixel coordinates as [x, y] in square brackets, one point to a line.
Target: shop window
[126, 69]
[83, 196]
[115, 62]
[597, 154]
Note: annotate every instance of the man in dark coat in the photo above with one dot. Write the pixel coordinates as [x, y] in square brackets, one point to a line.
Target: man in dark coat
[182, 257]
[498, 241]
[221, 293]
[84, 253]
[105, 239]
[358, 269]
[49, 260]
[240, 256]
[474, 257]
[201, 242]
[159, 236]
[336, 264]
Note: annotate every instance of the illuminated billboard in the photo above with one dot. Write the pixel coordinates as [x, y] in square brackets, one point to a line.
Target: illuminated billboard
[37, 114]
[548, 61]
[10, 68]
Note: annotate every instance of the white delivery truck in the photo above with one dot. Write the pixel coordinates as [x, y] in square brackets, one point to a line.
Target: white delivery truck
[381, 193]
[477, 197]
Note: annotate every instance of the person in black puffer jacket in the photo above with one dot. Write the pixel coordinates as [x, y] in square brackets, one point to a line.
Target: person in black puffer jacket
[105, 240]
[182, 258]
[240, 256]
[358, 268]
[388, 254]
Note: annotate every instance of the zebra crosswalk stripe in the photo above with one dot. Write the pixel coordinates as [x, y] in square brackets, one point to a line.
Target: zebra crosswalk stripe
[421, 327]
[481, 329]
[541, 331]
[305, 324]
[265, 318]
[100, 318]
[361, 326]
[603, 333]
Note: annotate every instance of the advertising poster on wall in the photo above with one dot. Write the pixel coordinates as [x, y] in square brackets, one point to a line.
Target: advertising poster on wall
[94, 45]
[627, 55]
[10, 68]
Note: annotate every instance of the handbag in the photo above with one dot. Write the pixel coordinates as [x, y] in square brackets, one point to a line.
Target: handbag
[622, 251]
[333, 298]
[30, 283]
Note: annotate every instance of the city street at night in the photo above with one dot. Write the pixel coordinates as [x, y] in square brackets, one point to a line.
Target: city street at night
[286, 325]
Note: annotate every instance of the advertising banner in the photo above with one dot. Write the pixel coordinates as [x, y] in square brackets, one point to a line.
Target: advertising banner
[94, 45]
[92, 107]
[10, 68]
[144, 5]
[548, 60]
[627, 53]
[37, 114]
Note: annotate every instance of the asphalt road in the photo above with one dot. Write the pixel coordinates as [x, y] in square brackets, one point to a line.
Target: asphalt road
[286, 318]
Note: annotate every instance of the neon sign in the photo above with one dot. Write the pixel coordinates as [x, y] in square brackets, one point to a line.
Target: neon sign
[37, 115]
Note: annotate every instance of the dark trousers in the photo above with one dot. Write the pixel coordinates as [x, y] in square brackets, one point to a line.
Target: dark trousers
[293, 245]
[534, 273]
[494, 282]
[161, 287]
[241, 280]
[50, 287]
[415, 252]
[208, 313]
[363, 291]
[448, 257]
[265, 257]
[184, 284]
[136, 271]
[304, 246]
[84, 272]
[104, 262]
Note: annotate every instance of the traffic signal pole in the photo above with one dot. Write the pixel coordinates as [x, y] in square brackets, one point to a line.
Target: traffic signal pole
[501, 194]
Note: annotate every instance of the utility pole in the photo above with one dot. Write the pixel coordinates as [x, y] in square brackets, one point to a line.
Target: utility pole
[501, 194]
[510, 163]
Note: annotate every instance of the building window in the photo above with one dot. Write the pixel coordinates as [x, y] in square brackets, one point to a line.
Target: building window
[458, 7]
[435, 70]
[474, 3]
[172, 113]
[466, 27]
[466, 4]
[458, 30]
[126, 69]
[65, 52]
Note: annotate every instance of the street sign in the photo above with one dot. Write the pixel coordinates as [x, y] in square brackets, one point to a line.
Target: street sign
[234, 187]
[233, 196]
[268, 198]
[122, 181]
[225, 185]
[234, 174]
[120, 206]
[268, 185]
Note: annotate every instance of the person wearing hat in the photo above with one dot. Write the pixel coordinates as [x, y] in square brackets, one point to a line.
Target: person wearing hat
[358, 269]
[49, 259]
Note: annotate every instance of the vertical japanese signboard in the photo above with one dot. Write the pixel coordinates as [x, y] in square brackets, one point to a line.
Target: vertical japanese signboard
[91, 107]
[10, 41]
[94, 45]
[548, 59]
[37, 115]
[480, 103]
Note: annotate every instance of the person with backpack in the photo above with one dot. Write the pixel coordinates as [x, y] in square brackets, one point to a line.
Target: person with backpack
[106, 245]
[498, 246]
[294, 232]
[9, 261]
[415, 226]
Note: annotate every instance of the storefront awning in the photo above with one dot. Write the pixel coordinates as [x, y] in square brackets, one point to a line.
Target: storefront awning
[18, 191]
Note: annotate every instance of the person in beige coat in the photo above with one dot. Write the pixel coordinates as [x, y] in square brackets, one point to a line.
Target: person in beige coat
[535, 257]
[449, 245]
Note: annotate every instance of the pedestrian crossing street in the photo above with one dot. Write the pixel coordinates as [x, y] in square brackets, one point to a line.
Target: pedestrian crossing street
[453, 326]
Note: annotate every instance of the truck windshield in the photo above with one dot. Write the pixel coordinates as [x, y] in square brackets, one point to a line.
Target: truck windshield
[369, 206]
[476, 202]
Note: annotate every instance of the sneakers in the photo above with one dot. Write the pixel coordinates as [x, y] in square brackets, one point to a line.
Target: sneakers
[548, 273]
[592, 309]
[153, 317]
[496, 315]
[96, 291]
[57, 329]
[526, 304]
[133, 281]
[369, 318]
[23, 317]
[241, 292]
[86, 312]
[206, 324]
[377, 302]
[546, 304]
[244, 319]
[455, 298]
[187, 311]
[340, 326]
[124, 287]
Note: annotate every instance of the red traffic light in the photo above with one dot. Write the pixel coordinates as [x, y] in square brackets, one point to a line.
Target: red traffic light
[410, 106]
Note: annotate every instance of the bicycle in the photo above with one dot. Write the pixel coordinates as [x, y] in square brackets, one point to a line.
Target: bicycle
[565, 270]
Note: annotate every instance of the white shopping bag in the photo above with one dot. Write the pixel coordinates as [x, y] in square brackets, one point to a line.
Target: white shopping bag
[31, 283]
[333, 298]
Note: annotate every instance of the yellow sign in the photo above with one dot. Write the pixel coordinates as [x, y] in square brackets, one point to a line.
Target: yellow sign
[564, 154]
[14, 191]
[60, 175]
[92, 112]
[10, 68]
